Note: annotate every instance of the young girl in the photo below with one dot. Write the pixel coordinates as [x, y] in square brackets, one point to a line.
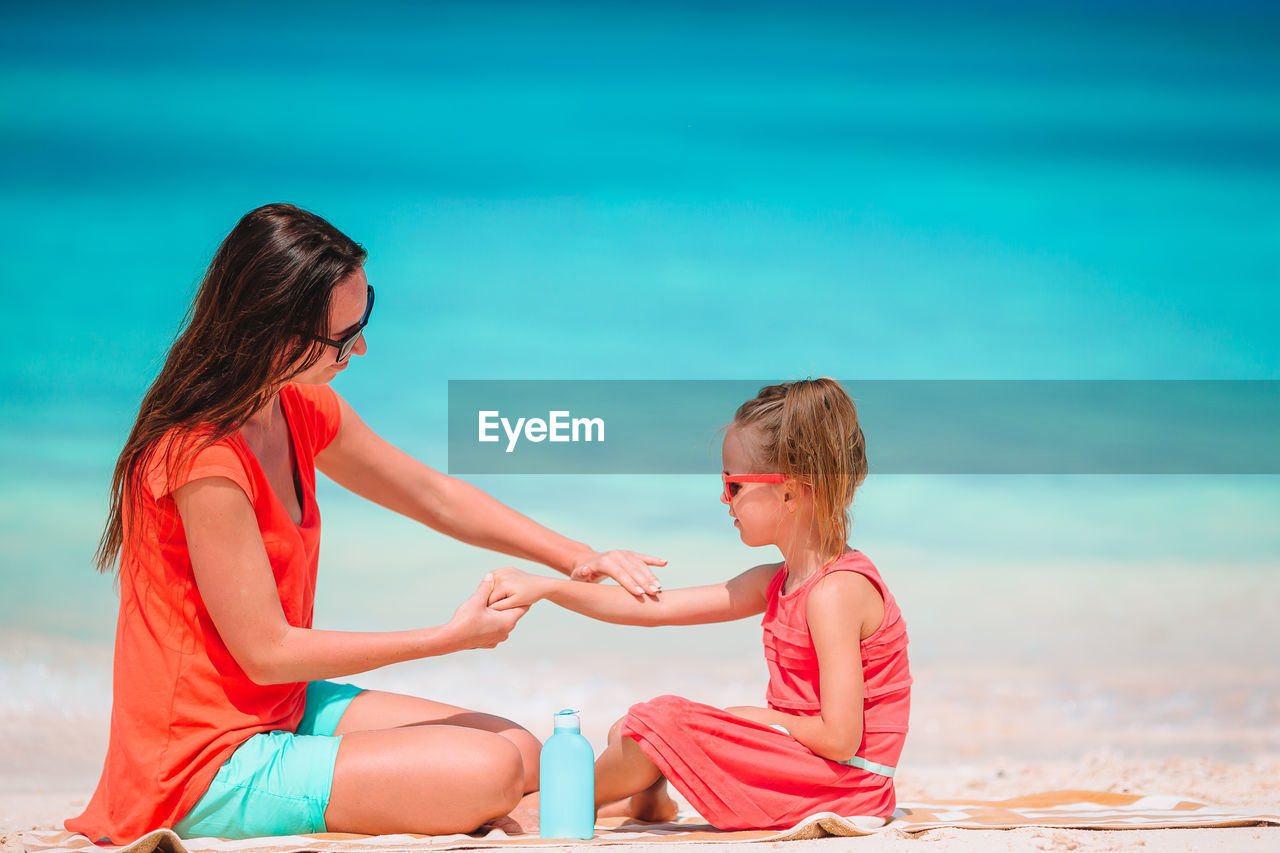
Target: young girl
[834, 639]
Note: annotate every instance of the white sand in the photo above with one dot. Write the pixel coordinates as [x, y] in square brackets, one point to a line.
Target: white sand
[50, 766]
[1254, 785]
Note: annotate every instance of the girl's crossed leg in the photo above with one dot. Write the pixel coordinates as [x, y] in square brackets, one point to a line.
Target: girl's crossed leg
[413, 765]
[629, 784]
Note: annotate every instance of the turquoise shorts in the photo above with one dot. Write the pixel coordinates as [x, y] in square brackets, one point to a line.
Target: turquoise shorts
[276, 783]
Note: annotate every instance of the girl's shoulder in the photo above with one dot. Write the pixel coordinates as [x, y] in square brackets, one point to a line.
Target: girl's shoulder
[853, 564]
[768, 575]
[852, 576]
[853, 587]
[759, 583]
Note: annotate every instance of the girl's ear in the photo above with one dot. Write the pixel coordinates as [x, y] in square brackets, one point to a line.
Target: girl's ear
[792, 491]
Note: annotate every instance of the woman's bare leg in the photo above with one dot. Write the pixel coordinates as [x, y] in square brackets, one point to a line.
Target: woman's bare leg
[374, 710]
[427, 779]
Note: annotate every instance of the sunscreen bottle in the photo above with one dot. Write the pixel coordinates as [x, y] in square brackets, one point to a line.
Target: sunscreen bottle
[567, 803]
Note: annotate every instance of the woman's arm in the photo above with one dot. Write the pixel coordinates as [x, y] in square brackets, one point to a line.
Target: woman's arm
[735, 599]
[360, 460]
[840, 605]
[236, 583]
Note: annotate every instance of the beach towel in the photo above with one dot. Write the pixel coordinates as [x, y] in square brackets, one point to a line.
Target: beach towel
[1056, 809]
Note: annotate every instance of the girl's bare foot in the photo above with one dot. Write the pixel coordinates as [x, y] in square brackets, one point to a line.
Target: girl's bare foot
[654, 804]
[523, 819]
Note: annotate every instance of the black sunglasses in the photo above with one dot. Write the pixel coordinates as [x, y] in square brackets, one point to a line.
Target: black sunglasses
[348, 341]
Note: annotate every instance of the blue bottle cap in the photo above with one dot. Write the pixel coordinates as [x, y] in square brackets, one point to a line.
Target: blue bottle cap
[567, 719]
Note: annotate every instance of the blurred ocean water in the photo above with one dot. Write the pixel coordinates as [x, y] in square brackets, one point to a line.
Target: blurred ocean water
[701, 191]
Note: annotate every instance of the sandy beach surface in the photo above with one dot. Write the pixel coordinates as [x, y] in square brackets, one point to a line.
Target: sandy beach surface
[961, 749]
[1250, 786]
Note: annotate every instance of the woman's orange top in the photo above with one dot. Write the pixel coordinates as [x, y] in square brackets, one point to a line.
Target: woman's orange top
[180, 702]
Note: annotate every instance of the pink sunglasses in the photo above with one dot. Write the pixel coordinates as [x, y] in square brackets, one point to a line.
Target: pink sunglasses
[731, 483]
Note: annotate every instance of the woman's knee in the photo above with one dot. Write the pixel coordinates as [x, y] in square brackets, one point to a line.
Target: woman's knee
[498, 777]
[424, 779]
[530, 749]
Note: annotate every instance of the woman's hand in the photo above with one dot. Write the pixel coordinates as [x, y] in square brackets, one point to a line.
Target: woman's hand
[513, 588]
[629, 569]
[476, 625]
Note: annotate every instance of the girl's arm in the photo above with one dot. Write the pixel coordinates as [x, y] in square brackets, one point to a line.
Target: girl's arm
[360, 460]
[840, 607]
[236, 583]
[738, 598]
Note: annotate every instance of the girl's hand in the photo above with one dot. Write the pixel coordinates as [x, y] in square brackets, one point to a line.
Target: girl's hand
[629, 569]
[763, 716]
[514, 589]
[476, 625]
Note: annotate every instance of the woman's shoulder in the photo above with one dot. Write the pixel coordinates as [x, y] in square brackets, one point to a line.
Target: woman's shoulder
[315, 395]
[185, 454]
[319, 408]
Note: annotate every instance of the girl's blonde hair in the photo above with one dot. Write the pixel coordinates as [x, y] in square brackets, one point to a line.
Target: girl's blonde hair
[809, 431]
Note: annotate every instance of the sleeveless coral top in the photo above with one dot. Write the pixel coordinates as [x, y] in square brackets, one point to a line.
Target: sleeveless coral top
[793, 661]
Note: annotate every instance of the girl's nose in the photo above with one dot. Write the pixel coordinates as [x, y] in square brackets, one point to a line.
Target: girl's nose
[361, 347]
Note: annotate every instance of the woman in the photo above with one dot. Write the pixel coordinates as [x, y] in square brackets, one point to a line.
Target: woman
[223, 723]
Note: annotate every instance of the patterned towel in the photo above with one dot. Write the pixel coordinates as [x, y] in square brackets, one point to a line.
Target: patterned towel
[1057, 809]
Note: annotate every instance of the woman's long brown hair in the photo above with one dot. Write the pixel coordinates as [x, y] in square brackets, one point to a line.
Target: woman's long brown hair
[265, 293]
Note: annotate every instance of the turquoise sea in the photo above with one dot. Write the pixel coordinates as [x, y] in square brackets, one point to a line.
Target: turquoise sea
[699, 190]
